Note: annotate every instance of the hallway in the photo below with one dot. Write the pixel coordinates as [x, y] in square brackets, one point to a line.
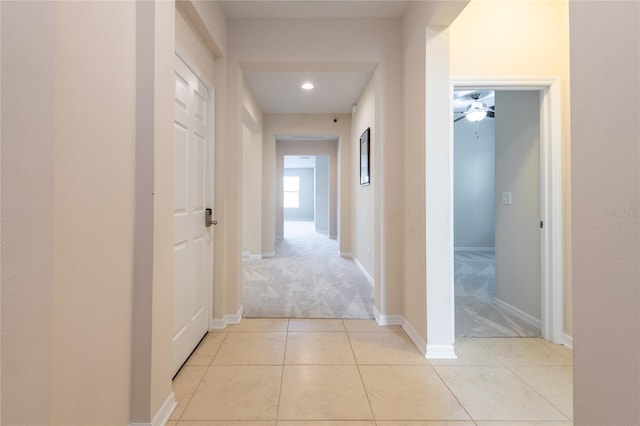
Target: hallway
[285, 372]
[306, 278]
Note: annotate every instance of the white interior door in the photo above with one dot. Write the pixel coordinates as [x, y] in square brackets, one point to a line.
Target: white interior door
[193, 242]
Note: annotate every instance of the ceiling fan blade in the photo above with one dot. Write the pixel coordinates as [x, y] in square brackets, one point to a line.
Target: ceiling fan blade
[491, 114]
[459, 118]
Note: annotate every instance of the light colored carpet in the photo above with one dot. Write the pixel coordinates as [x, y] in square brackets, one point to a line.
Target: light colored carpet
[476, 315]
[306, 279]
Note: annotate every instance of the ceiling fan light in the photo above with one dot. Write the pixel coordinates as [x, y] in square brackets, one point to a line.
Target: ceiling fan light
[477, 105]
[476, 111]
[475, 115]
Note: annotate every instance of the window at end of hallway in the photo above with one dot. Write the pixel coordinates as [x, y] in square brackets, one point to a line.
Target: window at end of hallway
[291, 192]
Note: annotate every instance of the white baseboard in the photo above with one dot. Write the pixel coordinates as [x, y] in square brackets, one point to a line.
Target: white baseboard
[248, 256]
[415, 337]
[220, 324]
[568, 341]
[345, 254]
[333, 237]
[162, 416]
[387, 319]
[490, 249]
[268, 254]
[518, 313]
[429, 351]
[364, 271]
[440, 352]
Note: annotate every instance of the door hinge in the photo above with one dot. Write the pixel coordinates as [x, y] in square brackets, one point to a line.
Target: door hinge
[541, 225]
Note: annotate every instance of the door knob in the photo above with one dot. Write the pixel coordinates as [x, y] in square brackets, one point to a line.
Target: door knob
[208, 218]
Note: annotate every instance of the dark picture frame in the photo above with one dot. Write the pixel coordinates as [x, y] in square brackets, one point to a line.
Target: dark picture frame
[365, 146]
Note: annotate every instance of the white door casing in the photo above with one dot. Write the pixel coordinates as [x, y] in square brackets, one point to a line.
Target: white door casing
[193, 241]
[550, 191]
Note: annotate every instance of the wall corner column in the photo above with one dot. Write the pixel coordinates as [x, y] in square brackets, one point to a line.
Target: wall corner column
[439, 187]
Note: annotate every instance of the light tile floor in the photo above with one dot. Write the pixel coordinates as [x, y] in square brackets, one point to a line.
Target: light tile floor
[280, 372]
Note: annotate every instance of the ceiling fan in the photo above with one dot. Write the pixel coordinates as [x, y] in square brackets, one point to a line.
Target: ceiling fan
[476, 110]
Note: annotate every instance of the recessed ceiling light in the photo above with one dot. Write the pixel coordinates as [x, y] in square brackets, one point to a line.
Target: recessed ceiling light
[307, 86]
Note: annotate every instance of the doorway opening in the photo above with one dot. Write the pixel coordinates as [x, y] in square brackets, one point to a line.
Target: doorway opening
[549, 225]
[305, 196]
[439, 207]
[496, 198]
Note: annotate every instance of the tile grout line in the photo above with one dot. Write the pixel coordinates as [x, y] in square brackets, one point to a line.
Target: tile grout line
[510, 366]
[444, 382]
[502, 363]
[511, 369]
[284, 356]
[364, 387]
[186, 406]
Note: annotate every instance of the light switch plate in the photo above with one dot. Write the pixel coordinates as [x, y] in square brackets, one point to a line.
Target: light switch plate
[506, 198]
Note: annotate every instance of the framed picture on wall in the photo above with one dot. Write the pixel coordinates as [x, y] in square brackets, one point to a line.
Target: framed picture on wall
[365, 178]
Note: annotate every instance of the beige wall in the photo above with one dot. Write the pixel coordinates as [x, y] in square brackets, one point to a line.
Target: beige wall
[188, 39]
[517, 170]
[209, 23]
[153, 257]
[84, 270]
[363, 248]
[251, 193]
[252, 114]
[27, 201]
[228, 287]
[414, 43]
[93, 211]
[251, 174]
[605, 65]
[521, 40]
[162, 300]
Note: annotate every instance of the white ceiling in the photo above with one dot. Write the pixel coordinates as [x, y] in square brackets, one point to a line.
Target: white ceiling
[278, 91]
[312, 138]
[299, 162]
[336, 90]
[281, 92]
[314, 9]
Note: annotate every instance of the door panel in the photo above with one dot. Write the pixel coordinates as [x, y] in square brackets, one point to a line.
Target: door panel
[192, 239]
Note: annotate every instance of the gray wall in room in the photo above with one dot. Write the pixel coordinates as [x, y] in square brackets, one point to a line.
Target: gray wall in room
[518, 224]
[322, 194]
[307, 190]
[474, 183]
